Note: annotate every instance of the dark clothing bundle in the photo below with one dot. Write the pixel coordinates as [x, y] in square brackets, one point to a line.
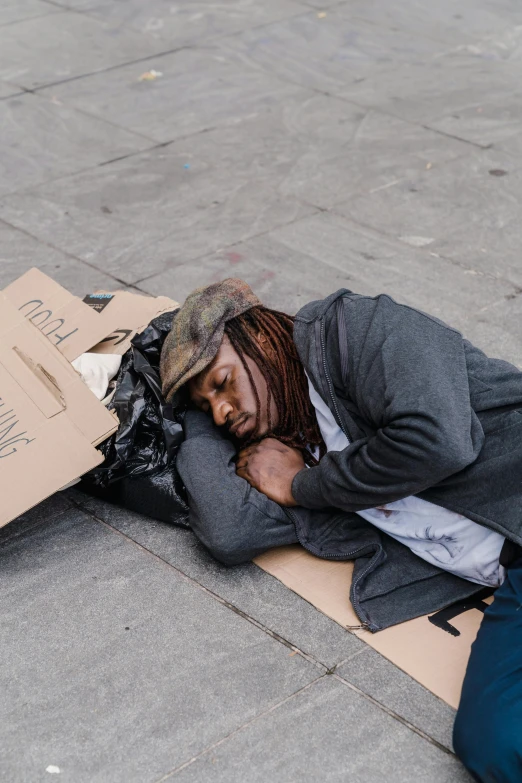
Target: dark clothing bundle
[139, 471]
[426, 413]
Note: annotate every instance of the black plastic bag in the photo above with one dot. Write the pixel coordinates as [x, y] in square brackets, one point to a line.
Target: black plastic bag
[139, 471]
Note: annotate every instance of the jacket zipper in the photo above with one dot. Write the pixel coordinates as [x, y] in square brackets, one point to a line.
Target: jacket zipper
[330, 385]
[344, 556]
[347, 555]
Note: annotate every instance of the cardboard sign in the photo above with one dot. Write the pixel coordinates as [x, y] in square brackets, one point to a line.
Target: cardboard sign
[433, 649]
[50, 421]
[129, 314]
[102, 322]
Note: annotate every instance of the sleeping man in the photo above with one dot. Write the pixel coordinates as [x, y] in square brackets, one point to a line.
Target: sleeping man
[365, 430]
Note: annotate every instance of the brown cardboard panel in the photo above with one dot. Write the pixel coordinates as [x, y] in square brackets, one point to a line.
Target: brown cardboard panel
[49, 456]
[422, 648]
[28, 373]
[105, 320]
[429, 654]
[82, 407]
[64, 319]
[50, 421]
[130, 314]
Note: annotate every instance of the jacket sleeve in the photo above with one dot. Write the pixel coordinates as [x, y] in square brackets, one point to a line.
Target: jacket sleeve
[233, 520]
[406, 373]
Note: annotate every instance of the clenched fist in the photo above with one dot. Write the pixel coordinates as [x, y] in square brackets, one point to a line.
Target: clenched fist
[270, 466]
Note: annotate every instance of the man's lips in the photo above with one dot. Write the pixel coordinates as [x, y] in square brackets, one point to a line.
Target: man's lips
[239, 425]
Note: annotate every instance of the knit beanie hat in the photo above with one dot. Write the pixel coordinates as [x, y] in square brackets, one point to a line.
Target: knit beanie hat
[198, 328]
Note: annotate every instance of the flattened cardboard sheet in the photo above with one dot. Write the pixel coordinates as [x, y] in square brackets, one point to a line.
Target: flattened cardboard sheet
[433, 649]
[50, 421]
[129, 314]
[107, 321]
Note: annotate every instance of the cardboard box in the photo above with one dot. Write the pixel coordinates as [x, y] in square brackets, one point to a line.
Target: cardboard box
[50, 421]
[433, 649]
[103, 322]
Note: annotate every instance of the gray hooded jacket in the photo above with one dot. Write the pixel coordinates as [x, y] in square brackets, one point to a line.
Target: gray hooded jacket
[425, 411]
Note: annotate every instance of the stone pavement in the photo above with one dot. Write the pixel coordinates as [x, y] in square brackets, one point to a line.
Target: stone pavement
[303, 145]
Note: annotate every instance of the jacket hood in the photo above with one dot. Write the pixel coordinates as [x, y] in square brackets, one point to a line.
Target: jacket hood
[316, 309]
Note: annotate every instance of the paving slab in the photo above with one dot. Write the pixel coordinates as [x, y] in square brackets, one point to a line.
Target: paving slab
[180, 24]
[511, 144]
[78, 5]
[127, 669]
[315, 256]
[20, 252]
[380, 679]
[246, 587]
[498, 329]
[15, 10]
[337, 149]
[200, 194]
[329, 52]
[474, 299]
[49, 49]
[47, 510]
[171, 204]
[473, 296]
[505, 45]
[7, 90]
[469, 208]
[327, 732]
[197, 89]
[445, 21]
[472, 98]
[283, 278]
[43, 139]
[320, 5]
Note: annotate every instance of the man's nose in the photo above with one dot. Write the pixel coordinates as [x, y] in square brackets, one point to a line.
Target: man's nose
[221, 412]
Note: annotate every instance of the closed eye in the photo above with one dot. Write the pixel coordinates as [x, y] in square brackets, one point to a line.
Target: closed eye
[221, 385]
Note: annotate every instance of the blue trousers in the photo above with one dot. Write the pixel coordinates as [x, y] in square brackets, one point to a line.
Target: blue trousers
[488, 728]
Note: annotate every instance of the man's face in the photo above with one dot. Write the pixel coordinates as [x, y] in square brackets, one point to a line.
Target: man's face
[224, 390]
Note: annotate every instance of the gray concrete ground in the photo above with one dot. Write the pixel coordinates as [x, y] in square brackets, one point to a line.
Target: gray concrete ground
[304, 145]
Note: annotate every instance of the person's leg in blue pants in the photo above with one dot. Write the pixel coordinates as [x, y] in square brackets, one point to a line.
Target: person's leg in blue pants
[488, 728]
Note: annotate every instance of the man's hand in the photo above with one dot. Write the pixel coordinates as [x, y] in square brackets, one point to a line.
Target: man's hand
[270, 466]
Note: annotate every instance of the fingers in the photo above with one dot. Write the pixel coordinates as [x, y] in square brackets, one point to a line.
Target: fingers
[242, 466]
[267, 444]
[244, 474]
[246, 453]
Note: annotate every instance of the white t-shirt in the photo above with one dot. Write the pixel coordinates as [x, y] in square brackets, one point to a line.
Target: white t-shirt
[446, 539]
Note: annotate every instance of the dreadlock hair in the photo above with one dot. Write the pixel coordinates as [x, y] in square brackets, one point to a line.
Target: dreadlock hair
[284, 375]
